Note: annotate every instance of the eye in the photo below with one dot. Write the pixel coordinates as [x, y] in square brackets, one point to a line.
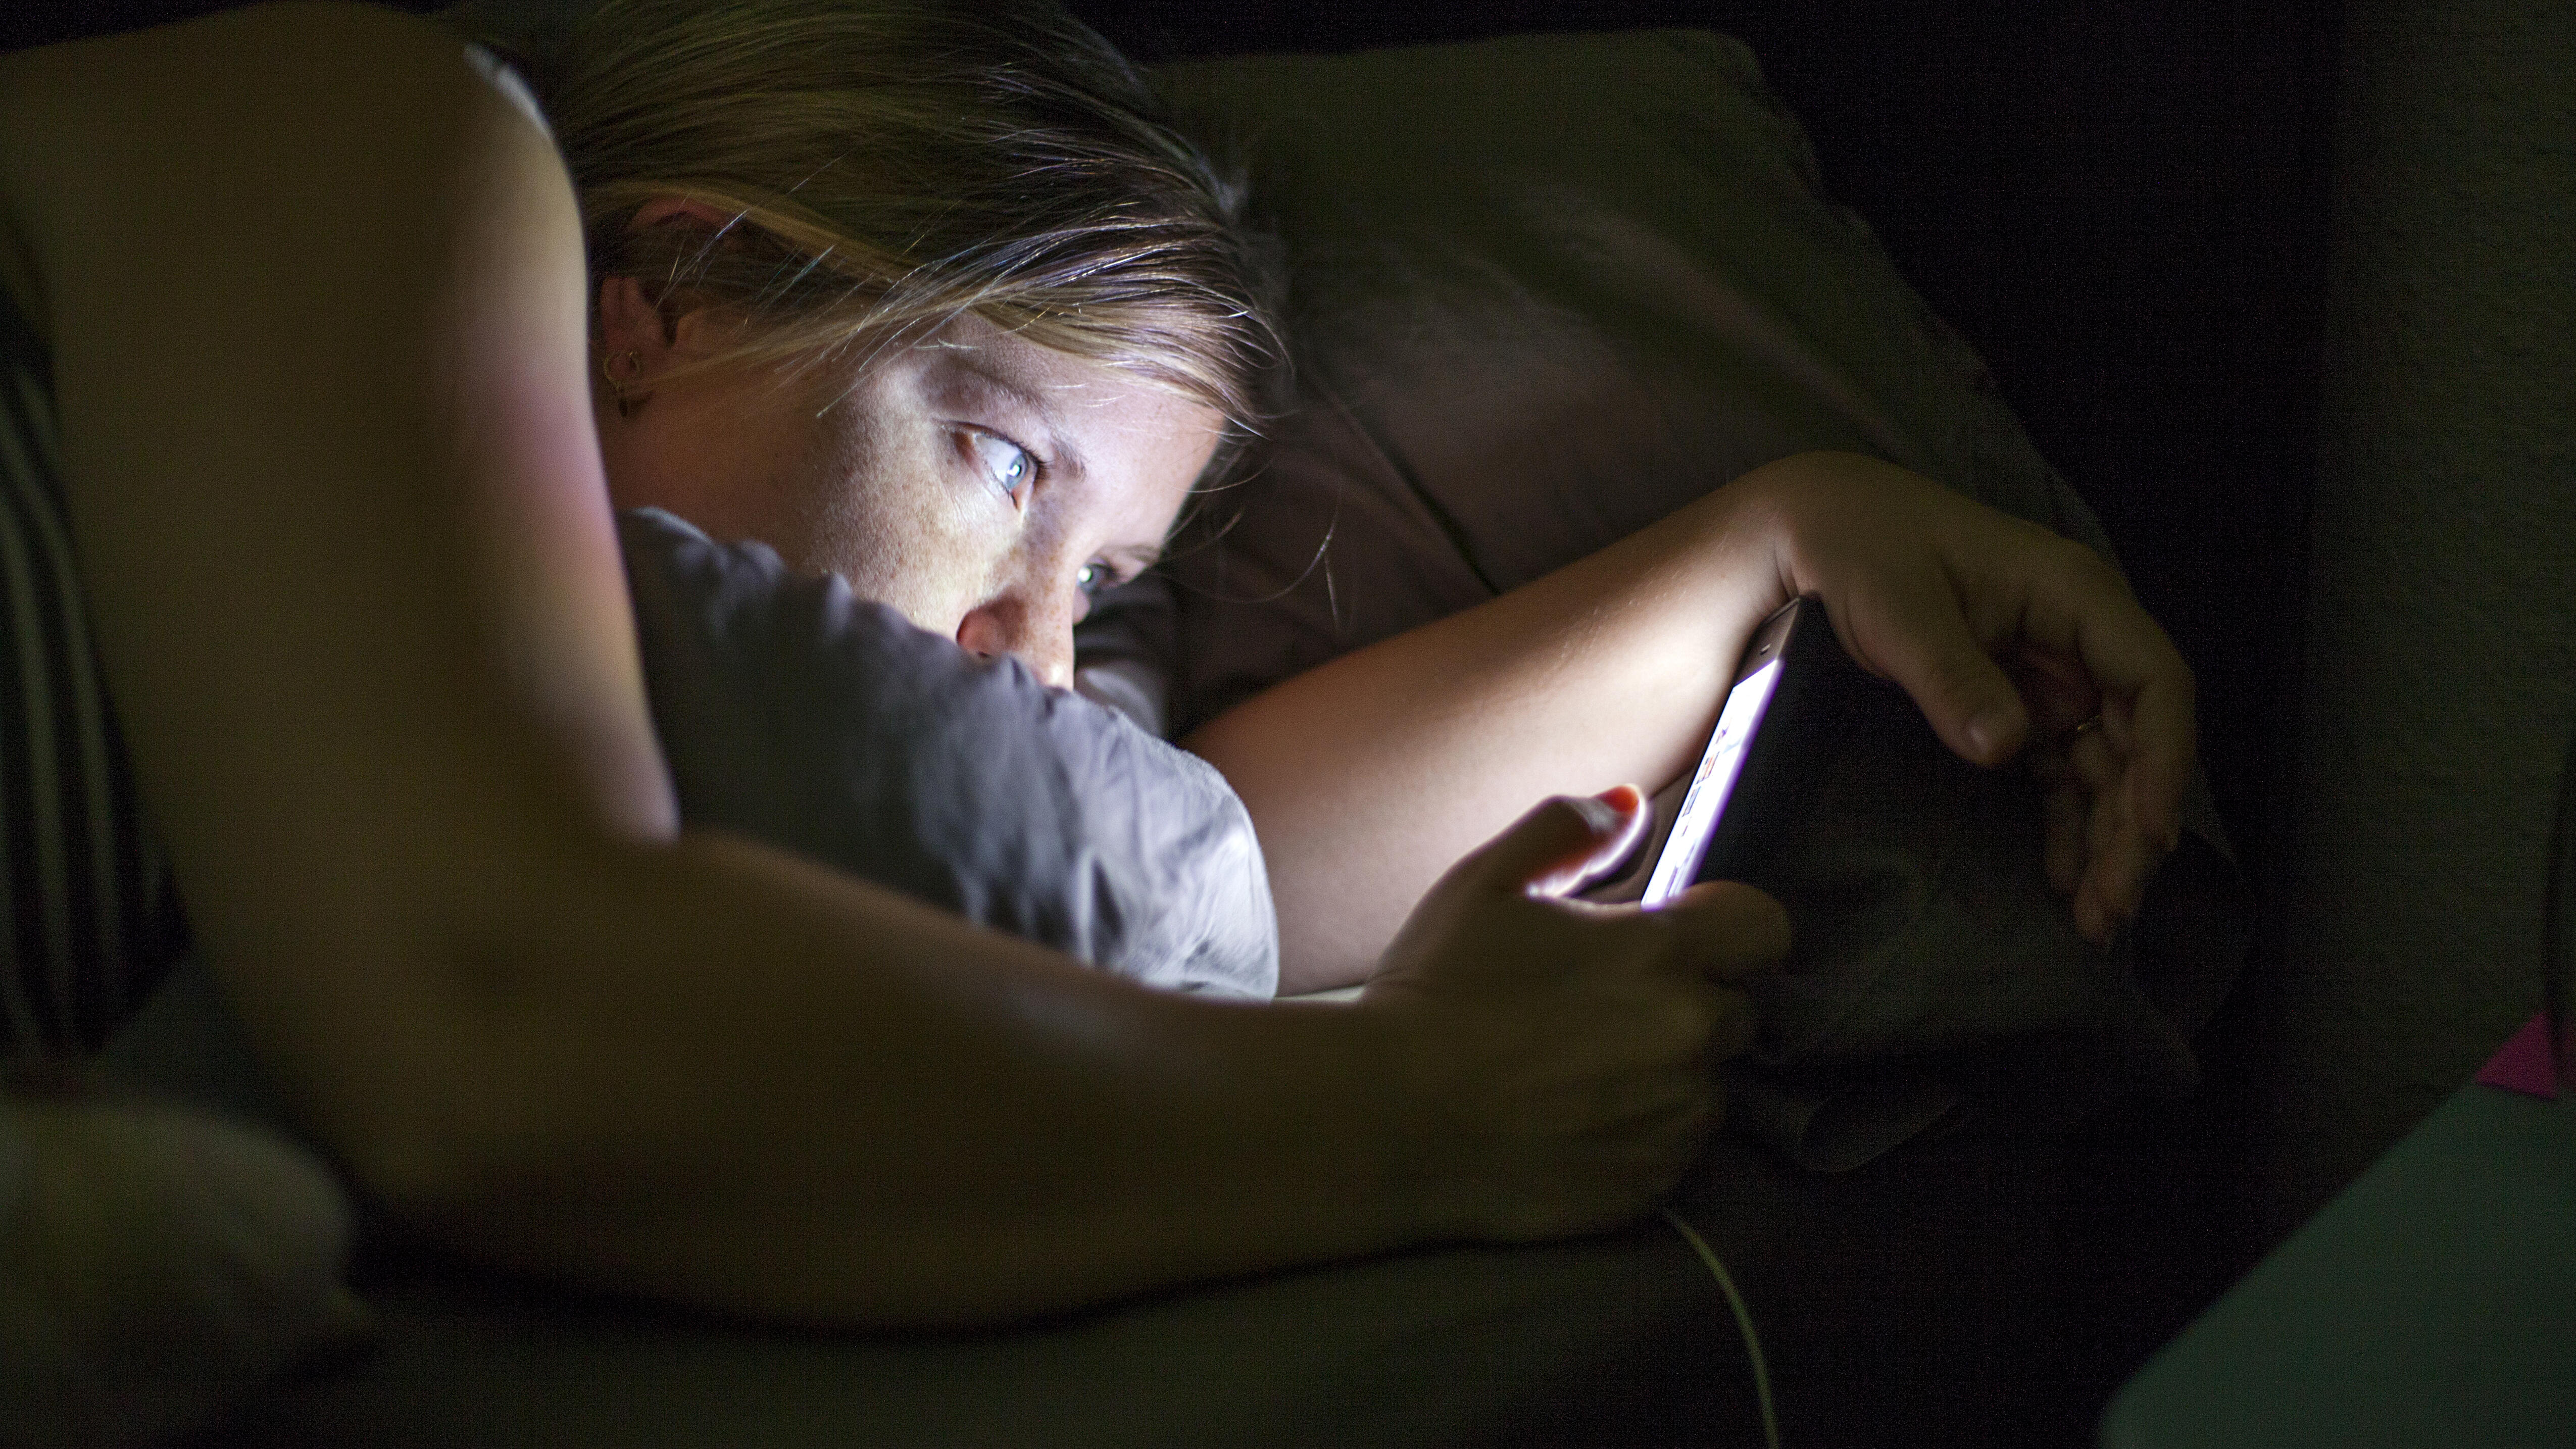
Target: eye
[1011, 467]
[1094, 577]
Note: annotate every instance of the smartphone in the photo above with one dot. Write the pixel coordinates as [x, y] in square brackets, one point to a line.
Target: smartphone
[1746, 788]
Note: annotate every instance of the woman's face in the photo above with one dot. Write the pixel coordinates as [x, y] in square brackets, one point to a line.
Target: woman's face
[979, 484]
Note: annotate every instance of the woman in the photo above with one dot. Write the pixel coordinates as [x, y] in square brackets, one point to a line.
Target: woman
[340, 479]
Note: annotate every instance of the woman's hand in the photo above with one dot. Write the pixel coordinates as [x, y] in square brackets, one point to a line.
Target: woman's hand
[1571, 1046]
[2013, 640]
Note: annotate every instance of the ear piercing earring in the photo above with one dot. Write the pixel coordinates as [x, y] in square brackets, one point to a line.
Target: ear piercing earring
[621, 369]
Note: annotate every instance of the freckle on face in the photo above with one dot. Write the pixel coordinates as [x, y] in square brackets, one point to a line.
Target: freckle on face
[916, 524]
[867, 474]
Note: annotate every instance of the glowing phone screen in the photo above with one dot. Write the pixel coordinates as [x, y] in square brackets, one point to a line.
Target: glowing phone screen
[1705, 801]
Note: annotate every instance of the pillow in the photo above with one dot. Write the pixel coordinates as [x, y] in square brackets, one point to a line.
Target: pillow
[794, 713]
[1544, 291]
[158, 1266]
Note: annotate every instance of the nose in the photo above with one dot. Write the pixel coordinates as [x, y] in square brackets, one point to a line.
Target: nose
[1037, 632]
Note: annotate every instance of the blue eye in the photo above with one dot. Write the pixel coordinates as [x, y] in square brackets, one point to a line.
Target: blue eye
[1006, 463]
[1091, 578]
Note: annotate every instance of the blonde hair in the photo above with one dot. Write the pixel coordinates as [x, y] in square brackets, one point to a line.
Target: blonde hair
[893, 164]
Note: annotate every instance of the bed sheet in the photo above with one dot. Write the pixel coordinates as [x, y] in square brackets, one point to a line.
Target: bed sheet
[1903, 1295]
[1909, 1292]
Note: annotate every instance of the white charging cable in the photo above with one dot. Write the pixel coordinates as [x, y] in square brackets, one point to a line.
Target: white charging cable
[1743, 1322]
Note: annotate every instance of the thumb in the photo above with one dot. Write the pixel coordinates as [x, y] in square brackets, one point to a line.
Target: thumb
[1924, 645]
[1563, 844]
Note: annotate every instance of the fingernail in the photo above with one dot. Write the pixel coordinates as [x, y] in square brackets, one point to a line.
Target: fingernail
[1598, 814]
[1986, 733]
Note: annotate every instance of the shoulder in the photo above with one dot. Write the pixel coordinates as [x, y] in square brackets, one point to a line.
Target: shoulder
[102, 140]
[274, 53]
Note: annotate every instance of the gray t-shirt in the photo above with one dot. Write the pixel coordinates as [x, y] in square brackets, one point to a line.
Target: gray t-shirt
[805, 717]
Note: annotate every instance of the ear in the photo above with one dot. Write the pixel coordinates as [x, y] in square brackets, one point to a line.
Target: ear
[629, 322]
[630, 319]
[666, 210]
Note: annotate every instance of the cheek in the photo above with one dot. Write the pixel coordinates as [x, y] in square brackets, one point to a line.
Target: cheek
[901, 535]
[734, 466]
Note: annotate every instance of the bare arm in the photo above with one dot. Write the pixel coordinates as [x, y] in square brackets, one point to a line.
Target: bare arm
[316, 297]
[1365, 774]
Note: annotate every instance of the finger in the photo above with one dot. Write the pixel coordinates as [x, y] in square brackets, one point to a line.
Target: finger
[2123, 860]
[2096, 761]
[2166, 753]
[2157, 776]
[1561, 844]
[1697, 1025]
[2119, 726]
[2107, 823]
[1728, 928]
[1733, 1027]
[1919, 639]
[2120, 855]
[1640, 1160]
[2056, 691]
[2064, 800]
[1606, 1101]
[2082, 605]
[2119, 858]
